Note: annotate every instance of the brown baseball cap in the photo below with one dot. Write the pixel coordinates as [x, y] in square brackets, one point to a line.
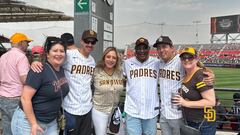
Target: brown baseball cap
[142, 41]
[89, 34]
[163, 40]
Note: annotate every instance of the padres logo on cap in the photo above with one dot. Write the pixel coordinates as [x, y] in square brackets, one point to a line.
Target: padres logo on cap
[91, 32]
[141, 40]
[160, 39]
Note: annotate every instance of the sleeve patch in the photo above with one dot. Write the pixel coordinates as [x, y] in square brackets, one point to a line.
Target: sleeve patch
[200, 85]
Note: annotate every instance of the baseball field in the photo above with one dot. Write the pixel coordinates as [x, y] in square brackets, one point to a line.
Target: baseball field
[226, 78]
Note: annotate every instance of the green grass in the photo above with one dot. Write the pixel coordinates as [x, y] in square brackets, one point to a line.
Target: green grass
[226, 78]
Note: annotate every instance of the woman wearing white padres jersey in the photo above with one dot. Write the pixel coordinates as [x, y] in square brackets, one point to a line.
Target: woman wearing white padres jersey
[195, 94]
[108, 83]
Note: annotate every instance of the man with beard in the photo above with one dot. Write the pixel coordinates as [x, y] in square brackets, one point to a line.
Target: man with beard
[142, 101]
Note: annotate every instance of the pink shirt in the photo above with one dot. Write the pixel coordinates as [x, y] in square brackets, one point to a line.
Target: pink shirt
[13, 64]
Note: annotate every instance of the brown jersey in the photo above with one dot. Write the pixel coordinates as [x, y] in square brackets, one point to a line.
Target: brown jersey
[191, 90]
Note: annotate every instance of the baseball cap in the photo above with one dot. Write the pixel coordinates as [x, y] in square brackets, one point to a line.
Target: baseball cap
[236, 97]
[18, 37]
[114, 124]
[189, 50]
[89, 34]
[141, 41]
[37, 49]
[163, 40]
[67, 38]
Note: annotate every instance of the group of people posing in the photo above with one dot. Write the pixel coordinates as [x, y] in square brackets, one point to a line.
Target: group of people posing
[89, 92]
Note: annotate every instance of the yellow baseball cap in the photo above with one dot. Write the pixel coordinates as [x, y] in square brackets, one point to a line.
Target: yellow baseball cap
[189, 50]
[18, 37]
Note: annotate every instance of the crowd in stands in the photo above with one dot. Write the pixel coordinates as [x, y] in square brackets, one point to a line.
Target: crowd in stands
[209, 53]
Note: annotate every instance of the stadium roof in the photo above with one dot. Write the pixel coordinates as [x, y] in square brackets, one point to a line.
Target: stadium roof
[18, 11]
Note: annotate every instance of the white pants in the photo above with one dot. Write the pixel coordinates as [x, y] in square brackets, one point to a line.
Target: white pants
[100, 121]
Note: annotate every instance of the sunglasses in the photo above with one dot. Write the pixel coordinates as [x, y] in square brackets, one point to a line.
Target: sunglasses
[188, 57]
[141, 47]
[87, 41]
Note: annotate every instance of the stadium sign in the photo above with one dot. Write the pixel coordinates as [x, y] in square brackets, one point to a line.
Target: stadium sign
[225, 24]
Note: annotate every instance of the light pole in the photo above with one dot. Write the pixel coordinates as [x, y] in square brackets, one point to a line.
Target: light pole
[162, 24]
[196, 22]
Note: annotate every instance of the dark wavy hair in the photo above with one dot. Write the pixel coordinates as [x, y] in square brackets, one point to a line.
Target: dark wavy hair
[51, 41]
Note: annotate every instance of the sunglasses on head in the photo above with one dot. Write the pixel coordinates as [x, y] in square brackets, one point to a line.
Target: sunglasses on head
[87, 41]
[187, 56]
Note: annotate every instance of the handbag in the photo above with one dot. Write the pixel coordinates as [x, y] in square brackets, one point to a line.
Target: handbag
[61, 120]
[115, 120]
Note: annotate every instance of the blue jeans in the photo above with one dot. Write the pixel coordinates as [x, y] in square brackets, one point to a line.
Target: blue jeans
[137, 126]
[207, 128]
[7, 108]
[21, 126]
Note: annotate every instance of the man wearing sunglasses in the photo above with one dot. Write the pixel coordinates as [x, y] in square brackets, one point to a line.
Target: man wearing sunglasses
[78, 68]
[170, 77]
[142, 101]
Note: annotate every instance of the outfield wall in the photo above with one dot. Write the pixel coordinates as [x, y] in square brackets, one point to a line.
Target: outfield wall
[222, 65]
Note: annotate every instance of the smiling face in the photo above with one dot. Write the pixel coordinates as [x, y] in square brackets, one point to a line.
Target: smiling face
[56, 55]
[110, 59]
[188, 61]
[166, 52]
[88, 45]
[142, 52]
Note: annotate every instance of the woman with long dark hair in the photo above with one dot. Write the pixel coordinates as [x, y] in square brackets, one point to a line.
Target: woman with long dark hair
[43, 94]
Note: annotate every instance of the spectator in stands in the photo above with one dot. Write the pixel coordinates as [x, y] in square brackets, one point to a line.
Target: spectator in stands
[13, 72]
[43, 94]
[221, 112]
[108, 84]
[235, 112]
[195, 94]
[37, 52]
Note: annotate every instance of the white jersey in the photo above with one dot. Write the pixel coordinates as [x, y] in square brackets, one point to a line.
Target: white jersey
[78, 71]
[142, 100]
[170, 76]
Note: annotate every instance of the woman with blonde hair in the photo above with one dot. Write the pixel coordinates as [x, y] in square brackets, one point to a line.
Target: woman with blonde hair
[195, 94]
[107, 84]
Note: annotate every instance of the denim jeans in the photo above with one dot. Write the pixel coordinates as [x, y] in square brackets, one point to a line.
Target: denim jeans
[170, 126]
[137, 126]
[207, 128]
[21, 126]
[7, 108]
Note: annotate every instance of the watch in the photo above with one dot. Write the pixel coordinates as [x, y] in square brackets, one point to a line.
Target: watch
[110, 2]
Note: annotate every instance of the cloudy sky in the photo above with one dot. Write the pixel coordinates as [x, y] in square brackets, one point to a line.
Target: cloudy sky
[147, 18]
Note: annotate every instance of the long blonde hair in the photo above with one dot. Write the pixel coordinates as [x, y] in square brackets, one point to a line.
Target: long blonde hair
[101, 63]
